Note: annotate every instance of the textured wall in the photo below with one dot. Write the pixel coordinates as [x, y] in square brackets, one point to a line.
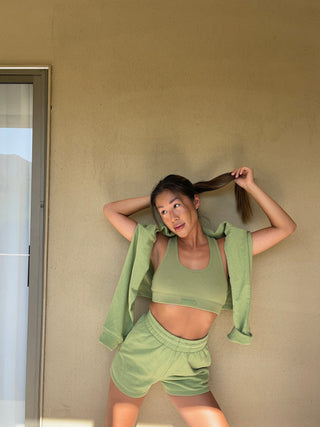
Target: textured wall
[144, 88]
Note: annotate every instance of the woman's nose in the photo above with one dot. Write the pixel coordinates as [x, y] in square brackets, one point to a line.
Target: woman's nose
[173, 216]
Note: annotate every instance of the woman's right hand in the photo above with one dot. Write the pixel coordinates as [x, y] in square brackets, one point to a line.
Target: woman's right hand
[118, 214]
[243, 177]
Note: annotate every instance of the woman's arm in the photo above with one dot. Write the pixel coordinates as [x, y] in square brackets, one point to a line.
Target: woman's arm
[118, 214]
[281, 223]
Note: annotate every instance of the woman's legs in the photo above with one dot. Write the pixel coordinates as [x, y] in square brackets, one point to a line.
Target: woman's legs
[200, 410]
[122, 410]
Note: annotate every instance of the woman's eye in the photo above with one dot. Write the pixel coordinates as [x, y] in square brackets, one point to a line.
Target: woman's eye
[176, 205]
[163, 212]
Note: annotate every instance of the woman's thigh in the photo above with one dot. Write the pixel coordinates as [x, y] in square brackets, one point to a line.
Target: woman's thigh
[200, 410]
[122, 410]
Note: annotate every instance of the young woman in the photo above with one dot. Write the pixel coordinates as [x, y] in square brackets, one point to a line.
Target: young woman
[191, 274]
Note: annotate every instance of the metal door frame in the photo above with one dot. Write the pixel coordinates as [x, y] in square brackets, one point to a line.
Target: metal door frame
[40, 77]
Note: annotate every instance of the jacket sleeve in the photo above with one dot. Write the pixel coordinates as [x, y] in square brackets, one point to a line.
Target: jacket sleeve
[120, 317]
[238, 249]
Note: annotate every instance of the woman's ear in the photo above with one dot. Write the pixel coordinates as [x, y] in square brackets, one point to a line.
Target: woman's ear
[196, 201]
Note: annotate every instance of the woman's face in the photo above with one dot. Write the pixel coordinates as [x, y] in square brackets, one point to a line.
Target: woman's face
[178, 212]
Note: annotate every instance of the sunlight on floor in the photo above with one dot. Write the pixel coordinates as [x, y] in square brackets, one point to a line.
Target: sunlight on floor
[67, 423]
[153, 425]
[87, 423]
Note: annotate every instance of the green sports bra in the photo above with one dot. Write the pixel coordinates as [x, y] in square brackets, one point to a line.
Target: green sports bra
[173, 283]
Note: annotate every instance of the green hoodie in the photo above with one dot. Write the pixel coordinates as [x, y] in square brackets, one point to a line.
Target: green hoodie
[137, 272]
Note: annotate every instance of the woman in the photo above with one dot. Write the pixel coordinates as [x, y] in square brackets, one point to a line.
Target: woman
[192, 271]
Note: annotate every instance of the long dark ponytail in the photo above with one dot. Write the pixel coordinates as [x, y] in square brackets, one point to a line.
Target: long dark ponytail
[180, 184]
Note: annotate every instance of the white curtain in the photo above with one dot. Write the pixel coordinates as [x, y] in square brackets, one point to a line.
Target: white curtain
[15, 190]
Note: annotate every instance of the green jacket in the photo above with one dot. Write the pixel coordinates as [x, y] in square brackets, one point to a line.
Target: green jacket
[136, 279]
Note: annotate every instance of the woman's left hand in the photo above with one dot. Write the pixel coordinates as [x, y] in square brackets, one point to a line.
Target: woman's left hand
[281, 223]
[243, 176]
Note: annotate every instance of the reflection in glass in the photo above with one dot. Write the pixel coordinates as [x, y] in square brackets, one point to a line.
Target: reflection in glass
[15, 202]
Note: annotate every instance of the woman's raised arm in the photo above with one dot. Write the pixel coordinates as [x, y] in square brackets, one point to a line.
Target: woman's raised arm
[118, 214]
[281, 223]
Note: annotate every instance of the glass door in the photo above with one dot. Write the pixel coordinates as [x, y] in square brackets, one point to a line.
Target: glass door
[16, 118]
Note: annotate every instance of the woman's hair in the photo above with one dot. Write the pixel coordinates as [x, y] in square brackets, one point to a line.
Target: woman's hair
[180, 185]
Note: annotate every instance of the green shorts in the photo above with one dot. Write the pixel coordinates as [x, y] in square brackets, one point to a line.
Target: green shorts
[150, 354]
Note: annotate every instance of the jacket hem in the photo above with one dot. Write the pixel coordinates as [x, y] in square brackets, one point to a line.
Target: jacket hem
[239, 337]
[110, 340]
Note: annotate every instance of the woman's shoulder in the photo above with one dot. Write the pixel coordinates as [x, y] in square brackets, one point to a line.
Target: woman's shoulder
[161, 242]
[159, 249]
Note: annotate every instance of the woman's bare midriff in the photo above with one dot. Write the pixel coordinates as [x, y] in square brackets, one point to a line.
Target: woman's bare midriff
[184, 322]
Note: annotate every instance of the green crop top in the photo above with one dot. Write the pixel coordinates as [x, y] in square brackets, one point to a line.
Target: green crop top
[173, 283]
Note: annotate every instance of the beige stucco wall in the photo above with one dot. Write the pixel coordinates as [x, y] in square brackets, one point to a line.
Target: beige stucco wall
[144, 88]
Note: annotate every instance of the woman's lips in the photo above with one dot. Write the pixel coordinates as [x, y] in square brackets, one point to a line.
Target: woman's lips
[178, 227]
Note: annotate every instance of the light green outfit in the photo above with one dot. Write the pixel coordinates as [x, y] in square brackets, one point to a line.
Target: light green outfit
[137, 273]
